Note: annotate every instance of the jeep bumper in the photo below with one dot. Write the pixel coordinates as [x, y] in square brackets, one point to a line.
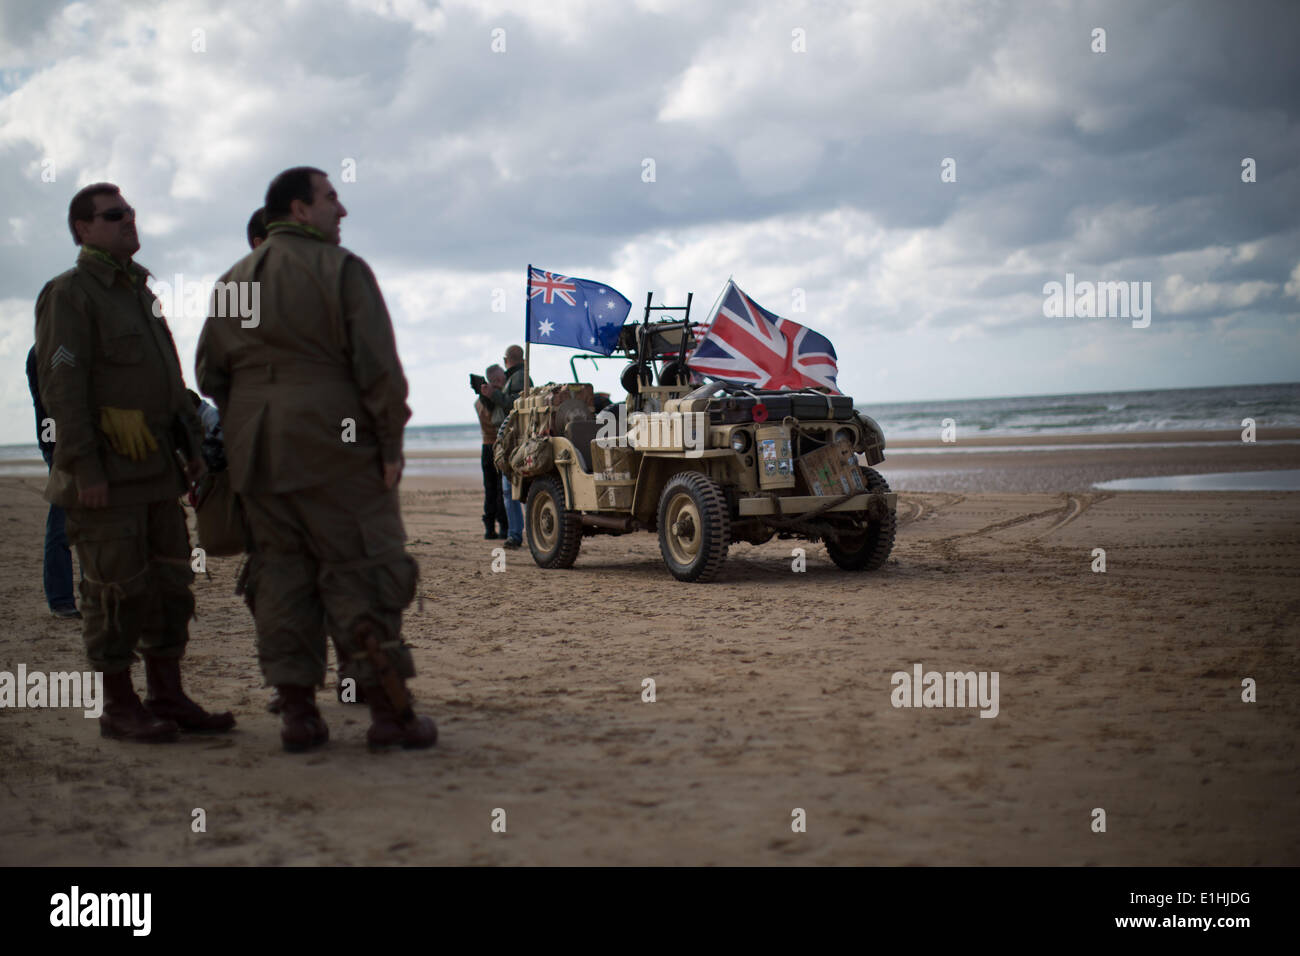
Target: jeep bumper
[877, 505]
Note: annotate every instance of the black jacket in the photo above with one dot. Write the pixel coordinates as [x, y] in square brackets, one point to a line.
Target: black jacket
[47, 447]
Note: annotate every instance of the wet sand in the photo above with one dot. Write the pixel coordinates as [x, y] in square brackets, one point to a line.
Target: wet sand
[1118, 690]
[1031, 467]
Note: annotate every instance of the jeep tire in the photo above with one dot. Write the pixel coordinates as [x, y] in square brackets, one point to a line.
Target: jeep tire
[694, 526]
[554, 532]
[868, 547]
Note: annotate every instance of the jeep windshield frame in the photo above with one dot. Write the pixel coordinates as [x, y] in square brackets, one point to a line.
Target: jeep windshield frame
[645, 342]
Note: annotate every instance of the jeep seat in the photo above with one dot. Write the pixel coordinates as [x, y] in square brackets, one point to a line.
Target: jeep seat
[582, 433]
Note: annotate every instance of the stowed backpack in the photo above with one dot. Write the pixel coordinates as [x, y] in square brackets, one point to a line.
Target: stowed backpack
[507, 438]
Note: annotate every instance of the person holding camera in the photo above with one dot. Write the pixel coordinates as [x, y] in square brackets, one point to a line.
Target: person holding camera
[501, 398]
[490, 418]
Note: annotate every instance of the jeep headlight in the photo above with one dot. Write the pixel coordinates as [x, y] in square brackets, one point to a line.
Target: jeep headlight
[740, 442]
[846, 436]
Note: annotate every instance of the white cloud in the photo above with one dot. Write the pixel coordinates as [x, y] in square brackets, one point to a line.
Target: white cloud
[1293, 286]
[1178, 295]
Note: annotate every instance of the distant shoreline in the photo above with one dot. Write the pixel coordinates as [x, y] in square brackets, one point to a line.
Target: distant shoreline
[1170, 437]
[1099, 438]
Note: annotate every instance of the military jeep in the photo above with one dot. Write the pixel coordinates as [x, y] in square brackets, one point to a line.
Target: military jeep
[701, 465]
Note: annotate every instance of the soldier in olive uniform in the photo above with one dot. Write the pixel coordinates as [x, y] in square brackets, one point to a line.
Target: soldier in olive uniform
[313, 402]
[111, 380]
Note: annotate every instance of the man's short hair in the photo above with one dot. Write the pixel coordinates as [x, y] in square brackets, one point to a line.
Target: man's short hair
[516, 350]
[285, 188]
[493, 368]
[82, 207]
[256, 226]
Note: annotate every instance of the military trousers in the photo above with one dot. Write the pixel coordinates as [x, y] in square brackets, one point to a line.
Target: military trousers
[494, 505]
[136, 581]
[325, 560]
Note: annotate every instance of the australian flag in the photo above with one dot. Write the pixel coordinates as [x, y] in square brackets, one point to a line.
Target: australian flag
[576, 313]
[745, 343]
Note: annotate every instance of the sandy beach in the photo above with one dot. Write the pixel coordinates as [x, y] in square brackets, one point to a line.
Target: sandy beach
[1119, 690]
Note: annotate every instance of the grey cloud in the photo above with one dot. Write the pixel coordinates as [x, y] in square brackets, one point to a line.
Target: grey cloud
[478, 162]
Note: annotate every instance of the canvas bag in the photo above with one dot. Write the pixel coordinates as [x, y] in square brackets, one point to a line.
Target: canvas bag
[505, 445]
[221, 519]
[534, 457]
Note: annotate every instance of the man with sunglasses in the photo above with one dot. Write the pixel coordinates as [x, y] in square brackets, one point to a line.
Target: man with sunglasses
[111, 380]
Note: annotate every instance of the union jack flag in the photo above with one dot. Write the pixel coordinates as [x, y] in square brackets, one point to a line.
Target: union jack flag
[548, 285]
[745, 343]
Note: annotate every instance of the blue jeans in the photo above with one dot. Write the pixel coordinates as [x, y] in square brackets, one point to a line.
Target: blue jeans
[58, 562]
[514, 512]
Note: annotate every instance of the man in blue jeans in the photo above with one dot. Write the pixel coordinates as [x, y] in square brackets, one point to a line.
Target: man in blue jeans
[58, 556]
[504, 399]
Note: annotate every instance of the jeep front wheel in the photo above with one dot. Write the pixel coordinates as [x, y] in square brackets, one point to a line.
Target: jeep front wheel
[866, 547]
[694, 526]
[554, 532]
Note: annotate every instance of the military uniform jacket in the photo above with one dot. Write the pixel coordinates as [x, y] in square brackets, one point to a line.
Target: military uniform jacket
[503, 399]
[101, 341]
[311, 388]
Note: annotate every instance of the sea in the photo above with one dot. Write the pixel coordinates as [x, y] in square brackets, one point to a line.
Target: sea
[1163, 410]
[1176, 409]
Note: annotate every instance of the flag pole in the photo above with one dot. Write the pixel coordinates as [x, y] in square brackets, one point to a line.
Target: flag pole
[714, 308]
[528, 313]
[713, 311]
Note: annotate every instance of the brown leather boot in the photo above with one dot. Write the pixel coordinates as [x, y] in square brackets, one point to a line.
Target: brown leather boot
[388, 728]
[301, 725]
[167, 699]
[124, 717]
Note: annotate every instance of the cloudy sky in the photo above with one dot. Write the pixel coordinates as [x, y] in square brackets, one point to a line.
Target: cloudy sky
[794, 147]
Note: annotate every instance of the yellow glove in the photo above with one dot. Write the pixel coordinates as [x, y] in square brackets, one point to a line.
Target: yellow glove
[127, 432]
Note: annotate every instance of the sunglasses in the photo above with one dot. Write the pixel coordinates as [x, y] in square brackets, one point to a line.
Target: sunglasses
[117, 214]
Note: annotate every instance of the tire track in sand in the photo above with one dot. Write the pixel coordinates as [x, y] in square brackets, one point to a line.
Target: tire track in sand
[1072, 507]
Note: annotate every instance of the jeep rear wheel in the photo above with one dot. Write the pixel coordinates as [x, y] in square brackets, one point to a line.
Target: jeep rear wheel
[554, 533]
[866, 547]
[694, 526]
